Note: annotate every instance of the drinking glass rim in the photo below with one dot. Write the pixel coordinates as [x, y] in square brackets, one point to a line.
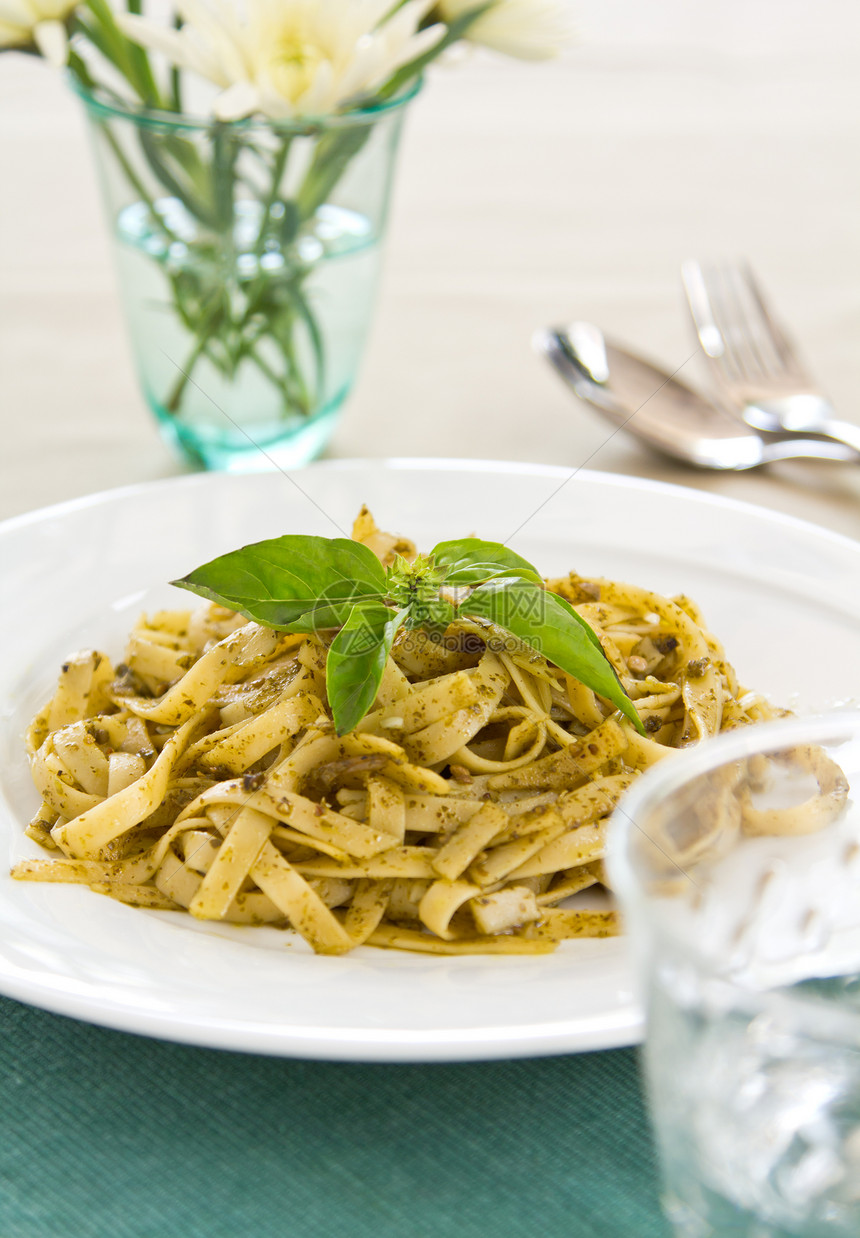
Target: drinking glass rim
[155, 118]
[669, 777]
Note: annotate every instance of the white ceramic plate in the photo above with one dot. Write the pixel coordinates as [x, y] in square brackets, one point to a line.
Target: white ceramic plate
[782, 595]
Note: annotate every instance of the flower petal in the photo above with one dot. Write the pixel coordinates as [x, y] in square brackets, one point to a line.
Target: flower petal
[321, 96]
[239, 100]
[289, 57]
[18, 14]
[12, 36]
[422, 42]
[52, 41]
[151, 34]
[526, 29]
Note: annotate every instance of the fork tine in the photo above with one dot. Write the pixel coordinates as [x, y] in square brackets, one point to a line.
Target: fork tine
[735, 326]
[716, 320]
[750, 330]
[710, 336]
[709, 327]
[780, 342]
[740, 356]
[753, 363]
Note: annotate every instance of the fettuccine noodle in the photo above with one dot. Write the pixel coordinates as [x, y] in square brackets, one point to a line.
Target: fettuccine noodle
[203, 773]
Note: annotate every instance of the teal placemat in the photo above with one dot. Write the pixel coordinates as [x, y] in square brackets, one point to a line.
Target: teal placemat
[107, 1135]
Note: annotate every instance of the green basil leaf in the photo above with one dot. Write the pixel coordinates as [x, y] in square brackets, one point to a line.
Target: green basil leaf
[278, 582]
[471, 561]
[356, 660]
[586, 627]
[324, 615]
[544, 621]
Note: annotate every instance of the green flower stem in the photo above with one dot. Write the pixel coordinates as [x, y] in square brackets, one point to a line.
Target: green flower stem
[246, 340]
[175, 77]
[273, 196]
[171, 404]
[224, 155]
[264, 367]
[204, 333]
[151, 144]
[93, 34]
[333, 153]
[295, 390]
[292, 383]
[130, 58]
[132, 177]
[135, 182]
[317, 341]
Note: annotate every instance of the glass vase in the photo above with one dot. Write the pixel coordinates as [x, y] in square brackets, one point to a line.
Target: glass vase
[248, 257]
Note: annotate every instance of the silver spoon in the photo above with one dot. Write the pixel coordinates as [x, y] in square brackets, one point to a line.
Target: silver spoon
[664, 412]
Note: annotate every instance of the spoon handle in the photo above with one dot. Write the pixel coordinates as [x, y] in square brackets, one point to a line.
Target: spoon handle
[796, 445]
[804, 417]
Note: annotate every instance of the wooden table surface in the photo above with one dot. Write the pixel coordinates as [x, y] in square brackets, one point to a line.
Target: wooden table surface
[526, 194]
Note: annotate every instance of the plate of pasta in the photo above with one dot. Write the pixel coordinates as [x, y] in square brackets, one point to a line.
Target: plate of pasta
[354, 838]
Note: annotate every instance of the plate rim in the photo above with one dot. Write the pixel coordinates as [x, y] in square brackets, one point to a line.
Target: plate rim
[347, 1044]
[462, 464]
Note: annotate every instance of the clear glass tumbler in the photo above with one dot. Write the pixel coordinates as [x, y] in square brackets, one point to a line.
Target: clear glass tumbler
[737, 865]
[248, 257]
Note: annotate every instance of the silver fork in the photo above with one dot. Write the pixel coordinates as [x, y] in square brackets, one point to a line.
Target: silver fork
[753, 363]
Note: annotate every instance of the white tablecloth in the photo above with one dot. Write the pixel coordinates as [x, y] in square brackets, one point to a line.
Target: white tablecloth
[526, 194]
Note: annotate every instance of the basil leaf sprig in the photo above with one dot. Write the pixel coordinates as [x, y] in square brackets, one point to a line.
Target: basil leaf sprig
[300, 583]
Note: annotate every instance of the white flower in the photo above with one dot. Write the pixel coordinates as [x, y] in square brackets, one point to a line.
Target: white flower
[289, 58]
[37, 23]
[528, 29]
